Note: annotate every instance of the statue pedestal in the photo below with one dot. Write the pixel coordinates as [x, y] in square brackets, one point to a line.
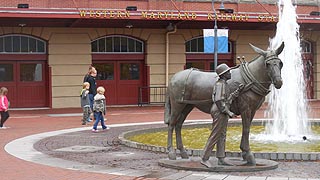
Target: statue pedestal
[194, 164]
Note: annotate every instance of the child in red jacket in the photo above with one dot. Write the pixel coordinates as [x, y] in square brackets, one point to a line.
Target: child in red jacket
[4, 106]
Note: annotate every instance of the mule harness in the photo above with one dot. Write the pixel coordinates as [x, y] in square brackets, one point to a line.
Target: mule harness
[257, 86]
[250, 83]
[182, 100]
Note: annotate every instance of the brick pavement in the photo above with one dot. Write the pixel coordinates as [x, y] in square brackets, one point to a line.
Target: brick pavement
[24, 123]
[27, 122]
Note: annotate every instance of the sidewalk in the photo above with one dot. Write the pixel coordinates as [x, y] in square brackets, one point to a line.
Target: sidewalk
[24, 123]
[27, 122]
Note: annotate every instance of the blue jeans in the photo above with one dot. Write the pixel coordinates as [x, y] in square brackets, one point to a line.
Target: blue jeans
[98, 117]
[91, 98]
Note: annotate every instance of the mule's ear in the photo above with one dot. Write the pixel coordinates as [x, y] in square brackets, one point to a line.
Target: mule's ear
[258, 50]
[280, 48]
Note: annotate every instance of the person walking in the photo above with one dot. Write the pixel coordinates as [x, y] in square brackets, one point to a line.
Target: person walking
[4, 106]
[91, 79]
[85, 102]
[91, 68]
[99, 109]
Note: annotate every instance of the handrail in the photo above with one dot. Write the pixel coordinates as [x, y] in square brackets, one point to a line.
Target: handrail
[152, 95]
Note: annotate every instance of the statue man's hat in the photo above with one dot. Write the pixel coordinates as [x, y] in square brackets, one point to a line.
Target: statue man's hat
[222, 68]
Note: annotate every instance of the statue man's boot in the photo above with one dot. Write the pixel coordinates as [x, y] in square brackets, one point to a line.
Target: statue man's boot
[223, 162]
[207, 163]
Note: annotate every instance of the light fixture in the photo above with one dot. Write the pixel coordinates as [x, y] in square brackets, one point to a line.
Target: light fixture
[222, 5]
[224, 10]
[131, 8]
[314, 13]
[23, 5]
[170, 27]
[129, 25]
[22, 25]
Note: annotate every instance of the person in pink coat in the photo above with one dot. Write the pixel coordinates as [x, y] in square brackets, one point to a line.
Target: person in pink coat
[4, 106]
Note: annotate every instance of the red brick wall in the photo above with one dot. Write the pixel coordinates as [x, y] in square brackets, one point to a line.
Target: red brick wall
[149, 5]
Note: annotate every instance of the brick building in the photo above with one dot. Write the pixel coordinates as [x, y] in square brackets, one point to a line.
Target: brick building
[46, 46]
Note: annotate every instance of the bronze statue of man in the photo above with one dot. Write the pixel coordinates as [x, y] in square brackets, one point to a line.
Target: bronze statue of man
[220, 113]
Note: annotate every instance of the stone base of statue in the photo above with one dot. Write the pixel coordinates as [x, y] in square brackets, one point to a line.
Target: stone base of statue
[194, 164]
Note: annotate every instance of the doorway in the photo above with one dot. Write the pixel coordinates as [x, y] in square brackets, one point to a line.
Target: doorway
[26, 82]
[121, 79]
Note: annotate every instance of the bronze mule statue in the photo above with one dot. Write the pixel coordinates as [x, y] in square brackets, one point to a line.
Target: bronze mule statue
[193, 88]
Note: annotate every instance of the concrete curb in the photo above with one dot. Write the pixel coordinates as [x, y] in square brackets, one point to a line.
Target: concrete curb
[291, 156]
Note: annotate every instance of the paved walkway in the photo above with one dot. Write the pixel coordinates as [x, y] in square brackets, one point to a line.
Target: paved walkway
[26, 123]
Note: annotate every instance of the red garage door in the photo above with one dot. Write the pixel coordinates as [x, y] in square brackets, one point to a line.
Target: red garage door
[26, 83]
[23, 70]
[121, 79]
[119, 61]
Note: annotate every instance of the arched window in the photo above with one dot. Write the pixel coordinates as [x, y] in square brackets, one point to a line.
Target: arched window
[117, 44]
[21, 44]
[306, 46]
[196, 45]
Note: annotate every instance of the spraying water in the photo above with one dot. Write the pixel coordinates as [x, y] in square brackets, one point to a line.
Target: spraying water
[288, 107]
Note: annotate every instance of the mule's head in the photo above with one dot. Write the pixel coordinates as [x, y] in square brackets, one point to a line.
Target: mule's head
[273, 64]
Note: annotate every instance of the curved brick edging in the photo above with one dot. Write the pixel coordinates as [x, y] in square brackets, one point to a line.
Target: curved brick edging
[305, 156]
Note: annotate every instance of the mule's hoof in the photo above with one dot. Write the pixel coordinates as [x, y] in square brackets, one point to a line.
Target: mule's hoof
[249, 157]
[250, 164]
[184, 155]
[172, 156]
[243, 155]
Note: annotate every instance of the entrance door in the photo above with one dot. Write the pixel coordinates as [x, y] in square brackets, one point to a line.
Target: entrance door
[308, 74]
[307, 58]
[121, 80]
[120, 64]
[26, 83]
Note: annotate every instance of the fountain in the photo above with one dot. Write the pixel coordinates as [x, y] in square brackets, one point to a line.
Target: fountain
[288, 106]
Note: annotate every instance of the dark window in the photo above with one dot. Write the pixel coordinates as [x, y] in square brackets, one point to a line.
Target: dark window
[30, 72]
[94, 46]
[8, 44]
[105, 71]
[139, 46]
[116, 44]
[305, 46]
[109, 45]
[16, 44]
[131, 45]
[196, 45]
[198, 65]
[24, 44]
[32, 45]
[129, 71]
[1, 45]
[188, 47]
[212, 66]
[40, 46]
[124, 44]
[21, 44]
[200, 45]
[6, 72]
[102, 45]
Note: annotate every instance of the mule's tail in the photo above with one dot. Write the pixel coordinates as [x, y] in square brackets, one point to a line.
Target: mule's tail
[167, 109]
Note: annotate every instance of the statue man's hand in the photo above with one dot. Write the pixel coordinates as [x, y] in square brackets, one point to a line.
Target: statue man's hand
[237, 91]
[231, 114]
